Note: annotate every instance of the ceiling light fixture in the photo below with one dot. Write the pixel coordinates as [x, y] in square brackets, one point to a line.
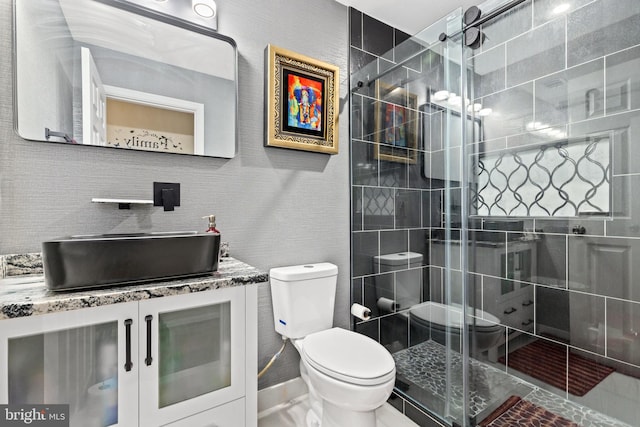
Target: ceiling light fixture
[204, 8]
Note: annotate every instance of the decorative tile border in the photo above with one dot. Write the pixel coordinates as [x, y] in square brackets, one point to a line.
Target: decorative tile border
[3, 267]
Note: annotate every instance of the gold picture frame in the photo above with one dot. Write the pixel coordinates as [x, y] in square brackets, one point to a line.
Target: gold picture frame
[301, 102]
[396, 120]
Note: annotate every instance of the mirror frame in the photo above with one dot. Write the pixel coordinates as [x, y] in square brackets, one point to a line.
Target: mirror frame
[148, 13]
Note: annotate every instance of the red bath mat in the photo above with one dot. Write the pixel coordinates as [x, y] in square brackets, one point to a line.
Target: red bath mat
[522, 413]
[547, 361]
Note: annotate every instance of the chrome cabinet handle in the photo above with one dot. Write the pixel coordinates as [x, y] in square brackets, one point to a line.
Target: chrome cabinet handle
[511, 310]
[527, 323]
[527, 303]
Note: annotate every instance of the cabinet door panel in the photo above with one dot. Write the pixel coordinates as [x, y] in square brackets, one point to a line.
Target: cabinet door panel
[192, 353]
[76, 358]
[228, 415]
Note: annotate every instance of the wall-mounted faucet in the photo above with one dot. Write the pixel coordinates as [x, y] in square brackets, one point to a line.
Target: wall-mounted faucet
[166, 194]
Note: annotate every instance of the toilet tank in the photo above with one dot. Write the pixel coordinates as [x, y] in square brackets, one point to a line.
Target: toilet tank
[303, 298]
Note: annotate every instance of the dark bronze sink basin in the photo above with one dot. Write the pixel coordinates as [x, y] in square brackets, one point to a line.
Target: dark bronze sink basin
[99, 260]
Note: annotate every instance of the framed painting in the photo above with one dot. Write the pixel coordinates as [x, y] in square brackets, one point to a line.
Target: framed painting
[301, 102]
[396, 123]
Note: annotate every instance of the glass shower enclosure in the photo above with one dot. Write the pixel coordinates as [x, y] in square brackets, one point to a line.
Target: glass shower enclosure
[495, 232]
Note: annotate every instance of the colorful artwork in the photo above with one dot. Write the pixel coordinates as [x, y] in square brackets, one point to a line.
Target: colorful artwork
[395, 122]
[305, 102]
[302, 102]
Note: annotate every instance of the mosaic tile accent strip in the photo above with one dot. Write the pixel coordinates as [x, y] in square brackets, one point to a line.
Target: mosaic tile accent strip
[564, 179]
[3, 267]
[21, 264]
[28, 295]
[425, 365]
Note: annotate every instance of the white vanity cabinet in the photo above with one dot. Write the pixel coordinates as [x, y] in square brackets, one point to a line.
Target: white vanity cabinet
[188, 359]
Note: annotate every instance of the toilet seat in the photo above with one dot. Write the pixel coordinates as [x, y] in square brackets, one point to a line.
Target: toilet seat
[348, 356]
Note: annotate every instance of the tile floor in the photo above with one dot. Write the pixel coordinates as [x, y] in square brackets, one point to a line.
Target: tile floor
[293, 412]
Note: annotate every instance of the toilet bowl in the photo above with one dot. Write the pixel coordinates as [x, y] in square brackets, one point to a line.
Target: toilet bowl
[349, 375]
[440, 320]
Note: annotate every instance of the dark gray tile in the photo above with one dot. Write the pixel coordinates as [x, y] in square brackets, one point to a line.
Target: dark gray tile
[397, 402]
[408, 209]
[375, 287]
[536, 53]
[571, 226]
[394, 332]
[604, 266]
[357, 294]
[419, 243]
[356, 206]
[623, 129]
[364, 168]
[369, 328]
[488, 72]
[365, 247]
[512, 111]
[548, 10]
[394, 174]
[551, 264]
[419, 417]
[626, 207]
[601, 28]
[623, 325]
[357, 116]
[418, 171]
[436, 130]
[552, 310]
[392, 242]
[406, 47]
[432, 202]
[361, 63]
[571, 95]
[507, 25]
[377, 37]
[587, 312]
[623, 82]
[436, 292]
[378, 208]
[355, 28]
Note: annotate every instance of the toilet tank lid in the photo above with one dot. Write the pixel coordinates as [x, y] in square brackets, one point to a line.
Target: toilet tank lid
[304, 272]
[398, 258]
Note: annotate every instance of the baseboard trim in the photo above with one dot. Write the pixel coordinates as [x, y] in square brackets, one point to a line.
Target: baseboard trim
[280, 393]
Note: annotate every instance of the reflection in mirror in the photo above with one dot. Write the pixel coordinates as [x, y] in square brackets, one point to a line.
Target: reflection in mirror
[90, 73]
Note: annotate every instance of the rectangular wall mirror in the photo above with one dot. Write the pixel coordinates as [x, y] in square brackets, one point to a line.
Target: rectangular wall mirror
[112, 73]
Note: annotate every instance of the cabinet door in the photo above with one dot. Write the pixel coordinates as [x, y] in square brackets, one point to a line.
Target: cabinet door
[79, 358]
[192, 353]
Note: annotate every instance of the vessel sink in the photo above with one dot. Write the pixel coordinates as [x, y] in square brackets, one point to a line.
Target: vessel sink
[98, 260]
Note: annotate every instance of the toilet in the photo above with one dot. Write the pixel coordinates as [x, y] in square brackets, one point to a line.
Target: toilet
[349, 375]
[441, 320]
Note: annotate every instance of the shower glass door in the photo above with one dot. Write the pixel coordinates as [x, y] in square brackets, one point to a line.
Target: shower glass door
[552, 213]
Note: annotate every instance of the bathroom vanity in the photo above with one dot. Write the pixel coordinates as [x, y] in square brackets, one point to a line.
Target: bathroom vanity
[175, 353]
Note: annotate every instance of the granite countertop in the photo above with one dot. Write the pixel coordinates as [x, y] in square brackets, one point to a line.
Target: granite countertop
[27, 295]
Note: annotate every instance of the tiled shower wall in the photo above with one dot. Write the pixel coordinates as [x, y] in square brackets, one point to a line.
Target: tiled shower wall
[575, 72]
[391, 200]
